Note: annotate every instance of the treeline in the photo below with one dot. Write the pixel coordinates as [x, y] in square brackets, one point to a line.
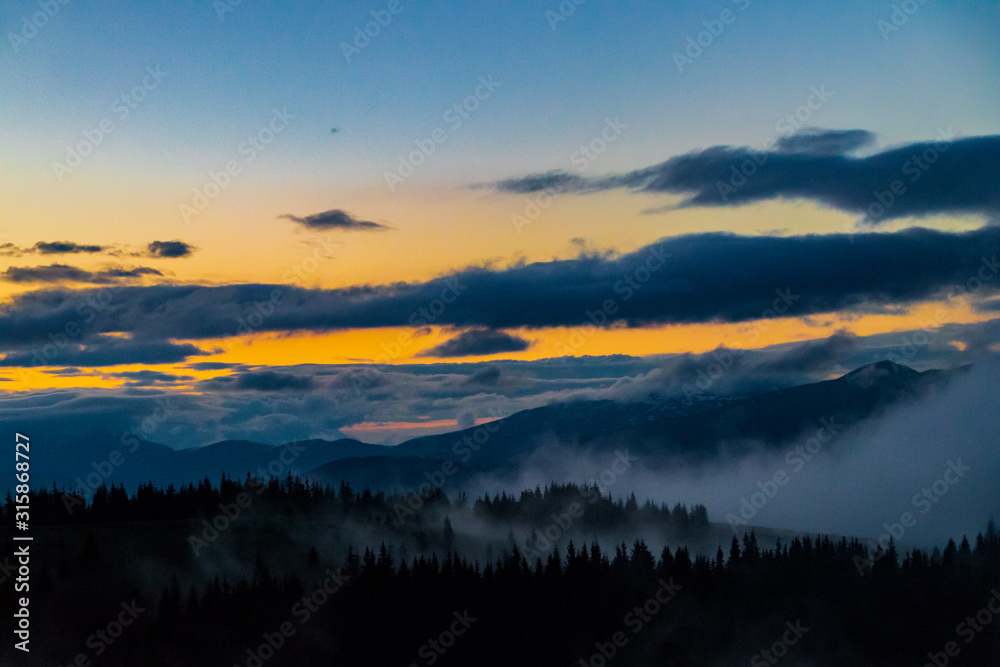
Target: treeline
[265, 599]
[583, 602]
[294, 495]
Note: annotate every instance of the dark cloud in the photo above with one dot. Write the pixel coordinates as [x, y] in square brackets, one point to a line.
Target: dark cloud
[488, 376]
[213, 366]
[53, 273]
[65, 248]
[169, 249]
[825, 142]
[334, 219]
[551, 181]
[135, 272]
[977, 337]
[98, 351]
[51, 248]
[947, 177]
[478, 342]
[150, 378]
[687, 279]
[991, 306]
[272, 381]
[63, 273]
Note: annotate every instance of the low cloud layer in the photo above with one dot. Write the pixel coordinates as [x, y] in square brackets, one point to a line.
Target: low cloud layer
[865, 479]
[276, 404]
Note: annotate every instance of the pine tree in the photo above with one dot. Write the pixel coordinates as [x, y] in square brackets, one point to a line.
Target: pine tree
[448, 535]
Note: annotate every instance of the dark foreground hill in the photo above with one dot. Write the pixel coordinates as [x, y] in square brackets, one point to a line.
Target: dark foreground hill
[307, 576]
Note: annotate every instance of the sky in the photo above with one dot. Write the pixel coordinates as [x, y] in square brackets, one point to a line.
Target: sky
[407, 216]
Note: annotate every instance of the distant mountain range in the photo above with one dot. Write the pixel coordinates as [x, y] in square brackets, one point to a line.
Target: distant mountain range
[660, 429]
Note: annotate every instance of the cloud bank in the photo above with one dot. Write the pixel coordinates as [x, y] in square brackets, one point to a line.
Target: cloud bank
[955, 177]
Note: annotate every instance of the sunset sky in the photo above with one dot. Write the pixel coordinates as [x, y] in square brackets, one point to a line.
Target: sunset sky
[293, 228]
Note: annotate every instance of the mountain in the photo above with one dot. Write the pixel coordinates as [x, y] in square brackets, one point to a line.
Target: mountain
[774, 418]
[660, 429]
[112, 463]
[676, 426]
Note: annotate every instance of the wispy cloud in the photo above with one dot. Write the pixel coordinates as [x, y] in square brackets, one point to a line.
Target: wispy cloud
[51, 248]
[65, 248]
[335, 219]
[63, 273]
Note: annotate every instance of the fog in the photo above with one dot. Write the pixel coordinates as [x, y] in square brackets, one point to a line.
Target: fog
[936, 458]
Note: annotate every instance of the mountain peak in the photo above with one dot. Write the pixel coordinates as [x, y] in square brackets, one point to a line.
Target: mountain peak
[866, 376]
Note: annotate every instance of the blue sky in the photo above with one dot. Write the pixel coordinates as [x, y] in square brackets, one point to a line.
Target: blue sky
[311, 214]
[558, 86]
